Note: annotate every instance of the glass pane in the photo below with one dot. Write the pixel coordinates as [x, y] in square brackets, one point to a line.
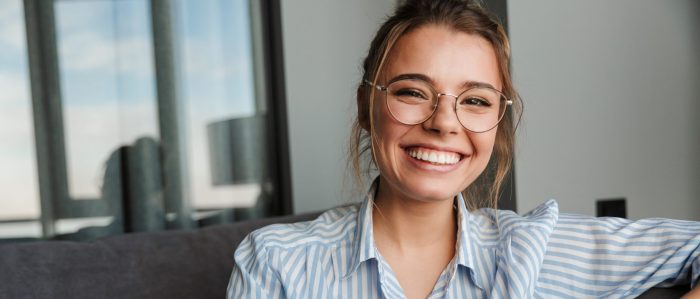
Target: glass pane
[108, 97]
[19, 195]
[108, 91]
[219, 95]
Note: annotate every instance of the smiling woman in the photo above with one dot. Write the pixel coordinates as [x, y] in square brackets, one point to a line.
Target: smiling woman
[451, 60]
[435, 106]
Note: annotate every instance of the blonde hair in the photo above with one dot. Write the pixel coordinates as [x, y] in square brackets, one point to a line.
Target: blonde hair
[462, 16]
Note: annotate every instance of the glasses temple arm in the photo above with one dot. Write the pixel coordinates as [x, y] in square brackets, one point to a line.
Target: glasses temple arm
[377, 86]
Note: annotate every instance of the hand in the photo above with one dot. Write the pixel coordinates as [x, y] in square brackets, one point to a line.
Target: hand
[693, 294]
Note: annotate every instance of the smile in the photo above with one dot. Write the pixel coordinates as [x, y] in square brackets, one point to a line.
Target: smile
[434, 156]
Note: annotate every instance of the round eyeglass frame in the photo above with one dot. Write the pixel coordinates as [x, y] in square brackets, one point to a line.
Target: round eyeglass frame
[508, 102]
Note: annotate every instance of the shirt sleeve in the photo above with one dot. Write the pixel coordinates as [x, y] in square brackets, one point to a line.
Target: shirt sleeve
[616, 258]
[252, 276]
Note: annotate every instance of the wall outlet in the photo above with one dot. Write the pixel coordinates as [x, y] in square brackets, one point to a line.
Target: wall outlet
[611, 207]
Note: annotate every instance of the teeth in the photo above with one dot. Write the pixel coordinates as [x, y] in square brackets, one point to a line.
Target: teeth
[432, 156]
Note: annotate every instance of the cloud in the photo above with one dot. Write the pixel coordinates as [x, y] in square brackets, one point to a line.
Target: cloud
[15, 88]
[113, 36]
[133, 56]
[8, 9]
[18, 179]
[16, 125]
[202, 58]
[90, 52]
[85, 51]
[12, 33]
[19, 195]
[16, 131]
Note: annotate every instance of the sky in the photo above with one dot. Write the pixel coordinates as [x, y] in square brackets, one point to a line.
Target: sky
[108, 92]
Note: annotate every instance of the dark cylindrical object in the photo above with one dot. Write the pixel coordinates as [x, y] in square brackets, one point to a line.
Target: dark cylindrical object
[237, 150]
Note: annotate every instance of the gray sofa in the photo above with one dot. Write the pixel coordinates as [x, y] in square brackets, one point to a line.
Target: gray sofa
[170, 264]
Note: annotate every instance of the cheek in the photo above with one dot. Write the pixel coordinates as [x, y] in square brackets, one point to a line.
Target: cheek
[385, 127]
[388, 134]
[376, 117]
[381, 130]
[483, 144]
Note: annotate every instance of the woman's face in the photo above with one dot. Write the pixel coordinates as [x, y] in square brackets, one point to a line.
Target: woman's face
[449, 60]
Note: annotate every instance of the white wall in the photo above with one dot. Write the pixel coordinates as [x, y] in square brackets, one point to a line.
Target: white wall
[612, 104]
[324, 44]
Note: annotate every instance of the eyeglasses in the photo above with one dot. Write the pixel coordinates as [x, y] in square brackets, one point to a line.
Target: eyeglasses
[413, 101]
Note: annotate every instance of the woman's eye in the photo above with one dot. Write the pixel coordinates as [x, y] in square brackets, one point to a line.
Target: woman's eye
[472, 101]
[410, 93]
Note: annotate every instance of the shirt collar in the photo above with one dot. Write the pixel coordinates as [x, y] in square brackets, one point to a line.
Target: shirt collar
[364, 246]
[463, 251]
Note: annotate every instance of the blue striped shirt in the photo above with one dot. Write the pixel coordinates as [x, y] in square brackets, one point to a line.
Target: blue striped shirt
[499, 254]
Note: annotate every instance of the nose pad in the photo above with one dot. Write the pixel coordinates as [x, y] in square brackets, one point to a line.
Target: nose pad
[444, 118]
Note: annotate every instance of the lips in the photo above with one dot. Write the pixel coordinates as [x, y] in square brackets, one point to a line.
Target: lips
[434, 156]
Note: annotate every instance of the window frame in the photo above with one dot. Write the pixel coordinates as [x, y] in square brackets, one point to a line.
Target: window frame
[44, 77]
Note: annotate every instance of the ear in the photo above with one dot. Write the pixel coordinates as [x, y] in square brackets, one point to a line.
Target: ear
[362, 108]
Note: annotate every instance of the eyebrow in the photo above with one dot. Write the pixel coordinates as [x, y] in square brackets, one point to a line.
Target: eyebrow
[412, 76]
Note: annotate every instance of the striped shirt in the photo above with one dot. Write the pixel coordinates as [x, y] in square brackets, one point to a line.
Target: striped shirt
[499, 254]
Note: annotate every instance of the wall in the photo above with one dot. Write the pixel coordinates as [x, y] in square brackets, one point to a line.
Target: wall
[324, 44]
[612, 96]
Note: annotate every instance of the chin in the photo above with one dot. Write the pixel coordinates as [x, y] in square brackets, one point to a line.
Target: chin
[431, 190]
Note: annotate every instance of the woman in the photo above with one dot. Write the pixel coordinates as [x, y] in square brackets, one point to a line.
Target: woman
[436, 106]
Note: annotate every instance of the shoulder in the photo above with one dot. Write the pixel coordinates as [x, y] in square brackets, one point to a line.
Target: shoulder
[544, 216]
[327, 230]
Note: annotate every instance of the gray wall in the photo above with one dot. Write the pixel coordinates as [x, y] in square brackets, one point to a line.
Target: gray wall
[610, 88]
[324, 43]
[612, 96]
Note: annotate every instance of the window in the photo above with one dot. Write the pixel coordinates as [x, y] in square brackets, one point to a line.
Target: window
[143, 115]
[218, 87]
[19, 192]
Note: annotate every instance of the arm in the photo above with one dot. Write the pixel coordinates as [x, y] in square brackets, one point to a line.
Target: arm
[613, 257]
[252, 276]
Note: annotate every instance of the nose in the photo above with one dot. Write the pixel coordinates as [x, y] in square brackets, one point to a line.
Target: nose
[444, 120]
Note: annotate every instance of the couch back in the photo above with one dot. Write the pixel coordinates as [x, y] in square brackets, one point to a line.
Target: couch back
[168, 264]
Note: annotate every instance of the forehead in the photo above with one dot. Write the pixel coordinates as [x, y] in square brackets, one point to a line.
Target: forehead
[448, 57]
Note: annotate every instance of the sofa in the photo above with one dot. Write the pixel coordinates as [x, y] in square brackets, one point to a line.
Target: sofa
[167, 264]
